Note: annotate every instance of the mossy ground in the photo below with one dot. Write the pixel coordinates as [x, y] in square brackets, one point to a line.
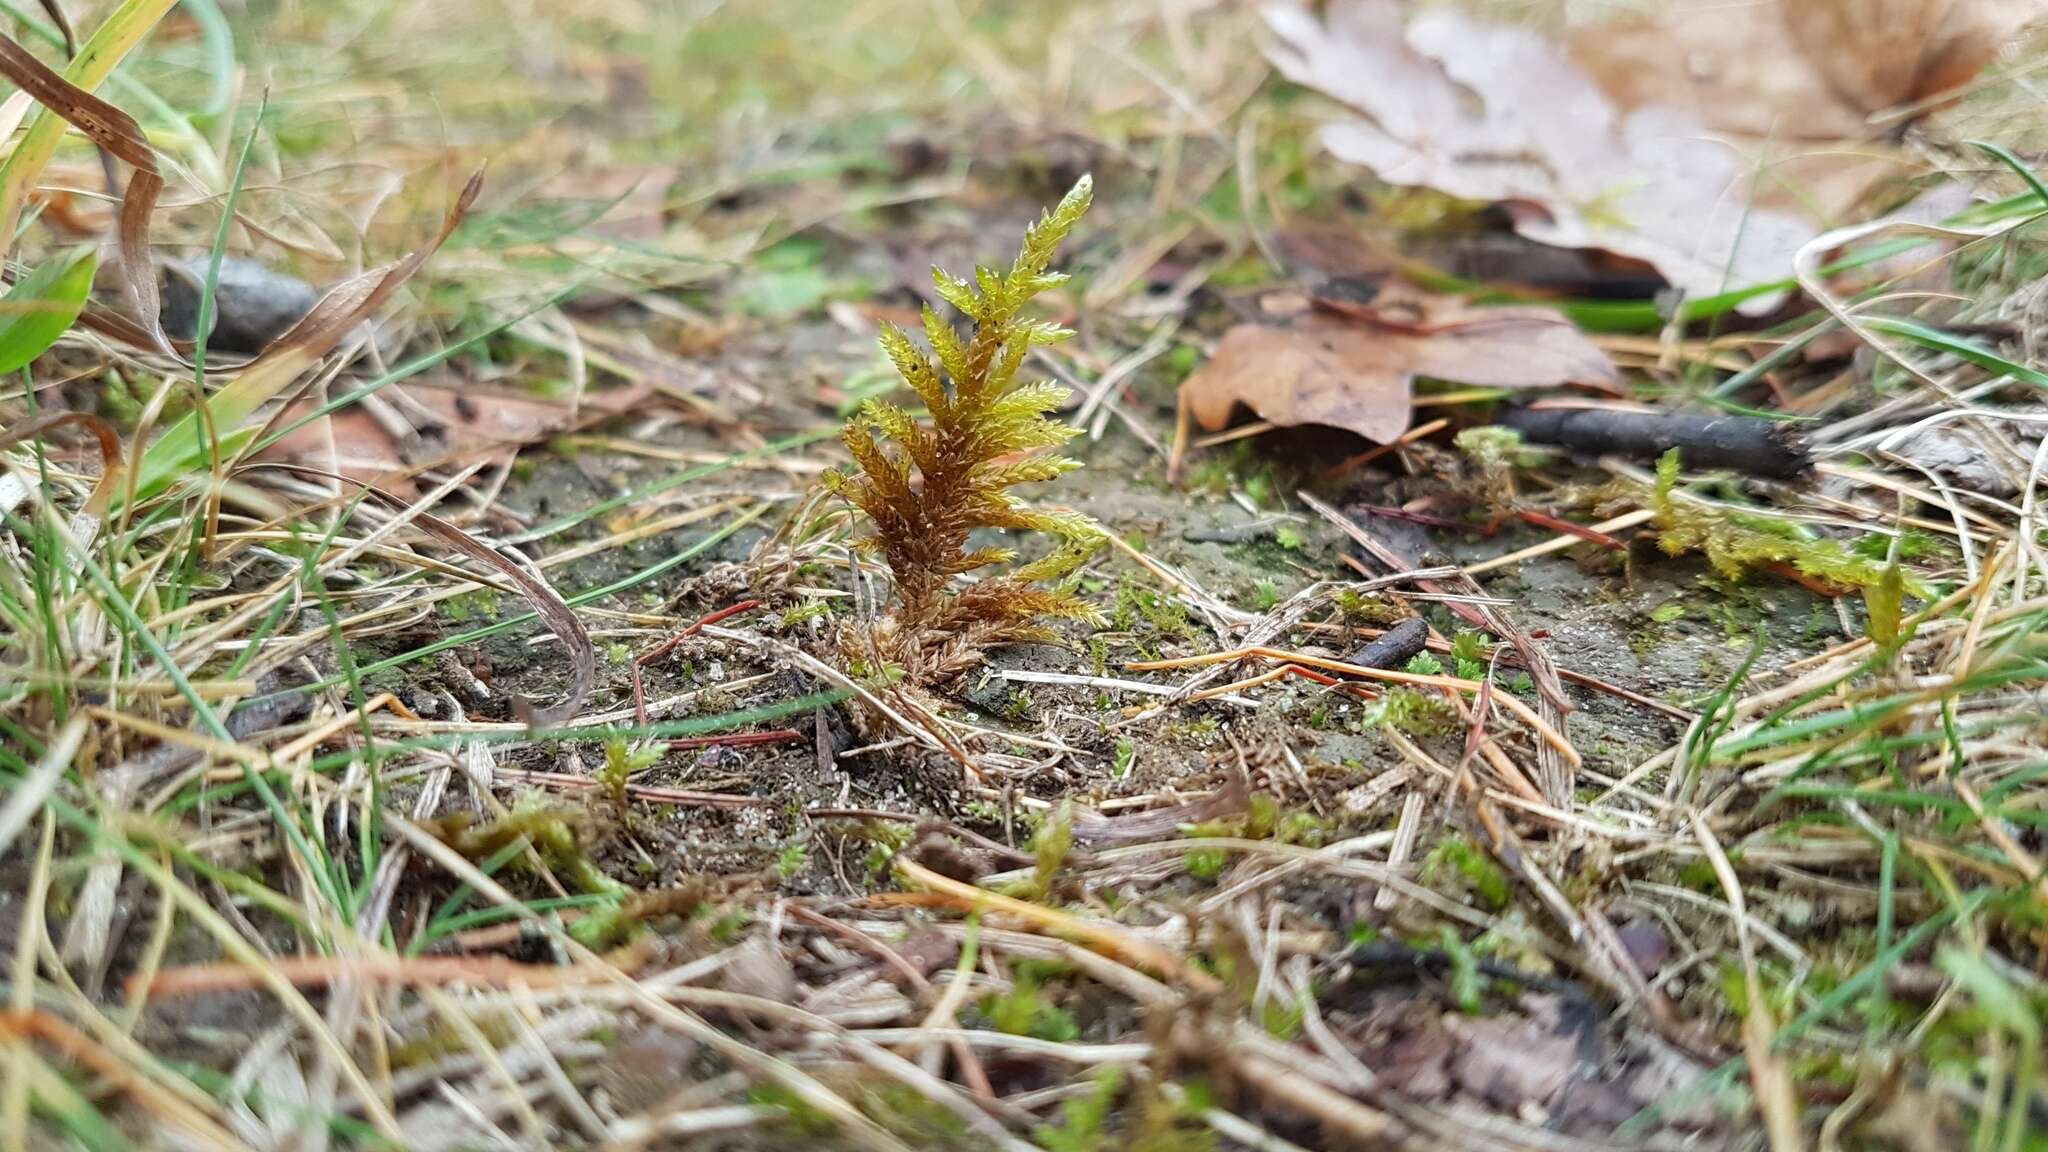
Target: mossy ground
[1212, 898]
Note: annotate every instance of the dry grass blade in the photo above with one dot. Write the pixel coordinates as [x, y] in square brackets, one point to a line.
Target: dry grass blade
[1112, 941]
[110, 454]
[1776, 1097]
[322, 971]
[118, 133]
[29, 795]
[1551, 735]
[166, 1105]
[547, 603]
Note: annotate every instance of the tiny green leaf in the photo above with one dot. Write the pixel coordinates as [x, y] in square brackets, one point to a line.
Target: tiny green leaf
[42, 306]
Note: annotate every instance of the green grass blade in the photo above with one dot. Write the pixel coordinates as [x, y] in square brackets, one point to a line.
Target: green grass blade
[42, 306]
[1934, 339]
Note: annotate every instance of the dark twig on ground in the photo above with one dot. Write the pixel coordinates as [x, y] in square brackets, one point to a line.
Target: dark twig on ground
[1396, 646]
[1743, 443]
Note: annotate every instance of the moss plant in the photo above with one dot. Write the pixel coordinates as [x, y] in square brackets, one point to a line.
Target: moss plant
[927, 486]
[1734, 543]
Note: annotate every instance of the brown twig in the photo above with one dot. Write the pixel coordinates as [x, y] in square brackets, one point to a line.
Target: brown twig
[1744, 443]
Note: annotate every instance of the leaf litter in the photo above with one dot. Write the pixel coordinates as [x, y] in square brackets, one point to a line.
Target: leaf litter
[1354, 366]
[1681, 139]
[1160, 978]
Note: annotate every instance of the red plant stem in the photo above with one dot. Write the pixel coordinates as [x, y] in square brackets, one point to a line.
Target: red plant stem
[738, 739]
[719, 617]
[1390, 512]
[1544, 520]
[669, 645]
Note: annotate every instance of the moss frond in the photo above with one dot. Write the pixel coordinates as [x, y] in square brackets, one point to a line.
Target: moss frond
[928, 487]
[911, 364]
[1027, 400]
[1027, 472]
[1734, 542]
[946, 346]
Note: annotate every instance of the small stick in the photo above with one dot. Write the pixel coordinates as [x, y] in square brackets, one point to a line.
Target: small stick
[1389, 512]
[772, 736]
[1590, 535]
[1419, 432]
[1744, 443]
[1241, 432]
[1560, 543]
[1583, 679]
[1406, 830]
[1396, 646]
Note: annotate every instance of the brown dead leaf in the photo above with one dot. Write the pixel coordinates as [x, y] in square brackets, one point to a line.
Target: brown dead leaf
[1797, 70]
[1358, 372]
[1529, 1057]
[119, 134]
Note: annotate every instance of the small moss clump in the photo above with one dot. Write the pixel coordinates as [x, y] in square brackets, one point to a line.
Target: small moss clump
[1735, 543]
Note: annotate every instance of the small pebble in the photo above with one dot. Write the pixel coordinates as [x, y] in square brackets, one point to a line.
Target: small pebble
[252, 305]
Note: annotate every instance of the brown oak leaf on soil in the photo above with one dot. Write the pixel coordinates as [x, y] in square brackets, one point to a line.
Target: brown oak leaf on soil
[1357, 371]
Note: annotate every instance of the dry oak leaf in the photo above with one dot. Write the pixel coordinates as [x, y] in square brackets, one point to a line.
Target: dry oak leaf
[1796, 85]
[1498, 113]
[1799, 70]
[1359, 373]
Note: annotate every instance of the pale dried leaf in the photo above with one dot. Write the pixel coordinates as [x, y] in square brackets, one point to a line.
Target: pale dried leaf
[1879, 53]
[1796, 86]
[1733, 67]
[1804, 70]
[1492, 112]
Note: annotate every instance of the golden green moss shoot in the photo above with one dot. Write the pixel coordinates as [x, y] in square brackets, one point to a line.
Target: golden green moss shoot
[927, 486]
